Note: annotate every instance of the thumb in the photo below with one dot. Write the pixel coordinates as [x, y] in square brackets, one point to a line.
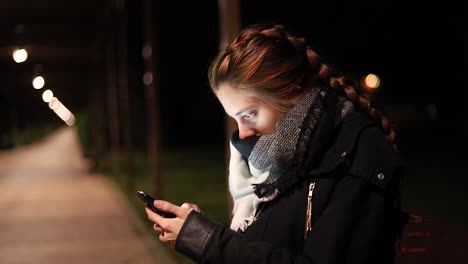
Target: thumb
[166, 206]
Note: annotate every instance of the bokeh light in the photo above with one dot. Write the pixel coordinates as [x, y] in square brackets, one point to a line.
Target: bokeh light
[148, 78]
[47, 96]
[20, 55]
[38, 82]
[54, 103]
[371, 82]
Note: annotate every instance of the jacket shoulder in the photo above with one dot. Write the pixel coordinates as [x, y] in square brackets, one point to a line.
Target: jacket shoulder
[374, 158]
[361, 148]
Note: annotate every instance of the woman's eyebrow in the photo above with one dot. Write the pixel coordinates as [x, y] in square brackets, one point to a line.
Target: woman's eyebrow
[243, 110]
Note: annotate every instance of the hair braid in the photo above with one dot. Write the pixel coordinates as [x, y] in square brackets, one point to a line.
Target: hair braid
[347, 86]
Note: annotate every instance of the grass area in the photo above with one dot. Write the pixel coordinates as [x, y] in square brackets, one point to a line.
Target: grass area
[29, 136]
[187, 175]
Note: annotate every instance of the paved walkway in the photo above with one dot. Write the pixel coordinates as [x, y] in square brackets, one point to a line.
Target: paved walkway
[53, 211]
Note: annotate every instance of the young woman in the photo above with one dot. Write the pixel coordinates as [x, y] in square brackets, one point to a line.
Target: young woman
[314, 174]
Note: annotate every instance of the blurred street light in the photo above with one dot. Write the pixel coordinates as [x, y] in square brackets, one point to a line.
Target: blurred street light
[47, 96]
[148, 78]
[146, 52]
[370, 82]
[38, 82]
[20, 55]
[54, 103]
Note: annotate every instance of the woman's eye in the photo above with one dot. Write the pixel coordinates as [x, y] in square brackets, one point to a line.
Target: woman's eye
[249, 116]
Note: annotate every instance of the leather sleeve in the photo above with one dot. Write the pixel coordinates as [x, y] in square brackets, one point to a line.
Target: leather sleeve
[195, 235]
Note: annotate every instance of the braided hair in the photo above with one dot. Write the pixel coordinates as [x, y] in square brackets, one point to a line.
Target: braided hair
[274, 66]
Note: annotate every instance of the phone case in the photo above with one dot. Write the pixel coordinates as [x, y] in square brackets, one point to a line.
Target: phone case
[149, 203]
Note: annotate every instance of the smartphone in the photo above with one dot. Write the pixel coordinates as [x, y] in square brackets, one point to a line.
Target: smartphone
[149, 203]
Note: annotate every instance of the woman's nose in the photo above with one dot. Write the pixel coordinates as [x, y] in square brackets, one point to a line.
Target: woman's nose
[245, 132]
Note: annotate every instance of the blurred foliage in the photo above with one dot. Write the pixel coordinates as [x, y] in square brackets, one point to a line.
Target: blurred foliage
[82, 123]
[31, 135]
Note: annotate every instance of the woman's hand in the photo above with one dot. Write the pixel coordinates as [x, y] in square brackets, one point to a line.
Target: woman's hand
[169, 228]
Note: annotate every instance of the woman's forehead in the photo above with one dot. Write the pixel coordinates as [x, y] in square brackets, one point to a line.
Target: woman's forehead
[234, 100]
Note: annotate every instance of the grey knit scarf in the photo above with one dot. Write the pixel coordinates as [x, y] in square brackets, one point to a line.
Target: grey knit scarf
[283, 152]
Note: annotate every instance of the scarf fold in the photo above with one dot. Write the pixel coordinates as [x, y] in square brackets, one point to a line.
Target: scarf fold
[277, 161]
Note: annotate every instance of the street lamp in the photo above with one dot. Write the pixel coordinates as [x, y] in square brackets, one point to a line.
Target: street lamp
[38, 82]
[47, 95]
[20, 55]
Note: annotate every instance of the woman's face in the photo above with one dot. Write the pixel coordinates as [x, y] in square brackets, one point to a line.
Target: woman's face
[252, 117]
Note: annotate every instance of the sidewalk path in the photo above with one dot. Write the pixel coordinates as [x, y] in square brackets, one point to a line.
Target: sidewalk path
[53, 211]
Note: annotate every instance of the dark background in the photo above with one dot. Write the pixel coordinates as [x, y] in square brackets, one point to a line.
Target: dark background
[418, 51]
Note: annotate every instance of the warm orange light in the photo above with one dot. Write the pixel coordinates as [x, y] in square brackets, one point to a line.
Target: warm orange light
[371, 82]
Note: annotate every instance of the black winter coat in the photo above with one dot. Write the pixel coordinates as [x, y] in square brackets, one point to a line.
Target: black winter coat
[355, 210]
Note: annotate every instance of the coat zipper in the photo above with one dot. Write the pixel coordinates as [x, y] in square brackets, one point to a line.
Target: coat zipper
[308, 222]
[257, 213]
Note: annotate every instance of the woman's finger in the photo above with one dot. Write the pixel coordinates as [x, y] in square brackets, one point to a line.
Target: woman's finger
[171, 208]
[168, 228]
[158, 228]
[153, 216]
[191, 207]
[164, 237]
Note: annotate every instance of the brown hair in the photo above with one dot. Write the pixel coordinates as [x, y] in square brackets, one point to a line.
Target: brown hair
[275, 66]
